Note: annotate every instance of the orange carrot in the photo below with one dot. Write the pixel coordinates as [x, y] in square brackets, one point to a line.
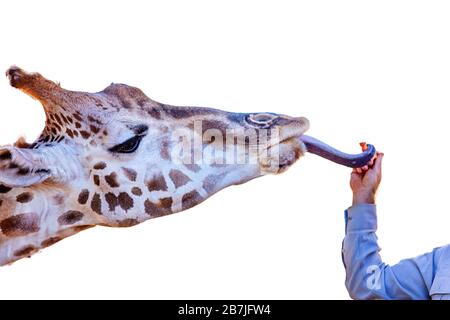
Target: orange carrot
[363, 146]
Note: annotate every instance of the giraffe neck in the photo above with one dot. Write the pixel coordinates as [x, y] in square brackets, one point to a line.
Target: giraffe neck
[40, 200]
[35, 217]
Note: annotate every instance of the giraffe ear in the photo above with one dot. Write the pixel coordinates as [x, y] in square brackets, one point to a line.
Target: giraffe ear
[21, 167]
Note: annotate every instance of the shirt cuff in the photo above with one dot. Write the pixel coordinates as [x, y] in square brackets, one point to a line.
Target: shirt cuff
[361, 217]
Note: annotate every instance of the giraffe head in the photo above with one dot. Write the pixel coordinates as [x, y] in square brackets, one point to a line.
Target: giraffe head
[118, 158]
[117, 145]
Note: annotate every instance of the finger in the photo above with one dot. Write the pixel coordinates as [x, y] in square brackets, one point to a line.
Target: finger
[358, 170]
[372, 161]
[355, 176]
[378, 162]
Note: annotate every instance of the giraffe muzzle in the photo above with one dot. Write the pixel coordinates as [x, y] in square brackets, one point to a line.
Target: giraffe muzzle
[324, 150]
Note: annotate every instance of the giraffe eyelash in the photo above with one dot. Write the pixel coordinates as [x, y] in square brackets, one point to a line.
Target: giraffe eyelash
[129, 146]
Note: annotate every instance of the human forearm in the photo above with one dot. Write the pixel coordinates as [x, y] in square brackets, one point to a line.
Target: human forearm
[367, 276]
[360, 252]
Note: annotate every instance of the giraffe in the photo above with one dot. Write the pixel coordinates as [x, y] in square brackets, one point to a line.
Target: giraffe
[113, 158]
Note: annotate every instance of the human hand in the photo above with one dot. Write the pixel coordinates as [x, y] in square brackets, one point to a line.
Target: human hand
[364, 181]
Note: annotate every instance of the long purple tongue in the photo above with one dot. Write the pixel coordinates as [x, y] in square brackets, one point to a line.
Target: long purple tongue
[349, 160]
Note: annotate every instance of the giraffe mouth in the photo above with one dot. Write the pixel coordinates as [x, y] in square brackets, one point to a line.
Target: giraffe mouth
[281, 155]
[291, 148]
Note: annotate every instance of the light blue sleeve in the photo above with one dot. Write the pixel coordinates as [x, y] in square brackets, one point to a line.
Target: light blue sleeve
[367, 276]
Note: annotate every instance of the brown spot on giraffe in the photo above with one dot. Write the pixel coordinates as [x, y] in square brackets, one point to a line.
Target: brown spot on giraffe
[127, 223]
[131, 174]
[5, 155]
[83, 196]
[166, 203]
[111, 179]
[92, 119]
[100, 165]
[96, 204]
[69, 132]
[111, 200]
[193, 167]
[58, 119]
[179, 178]
[24, 197]
[153, 112]
[161, 208]
[70, 217]
[125, 201]
[50, 241]
[20, 225]
[94, 129]
[85, 134]
[25, 251]
[4, 189]
[191, 199]
[81, 228]
[63, 117]
[77, 125]
[150, 207]
[158, 183]
[210, 182]
[96, 179]
[57, 126]
[141, 100]
[79, 118]
[136, 191]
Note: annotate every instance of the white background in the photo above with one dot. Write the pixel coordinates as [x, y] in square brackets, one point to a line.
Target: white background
[359, 70]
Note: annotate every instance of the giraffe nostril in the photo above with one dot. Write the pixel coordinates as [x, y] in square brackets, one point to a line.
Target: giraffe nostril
[261, 118]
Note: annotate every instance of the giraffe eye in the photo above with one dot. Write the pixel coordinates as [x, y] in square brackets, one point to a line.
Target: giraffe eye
[129, 146]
